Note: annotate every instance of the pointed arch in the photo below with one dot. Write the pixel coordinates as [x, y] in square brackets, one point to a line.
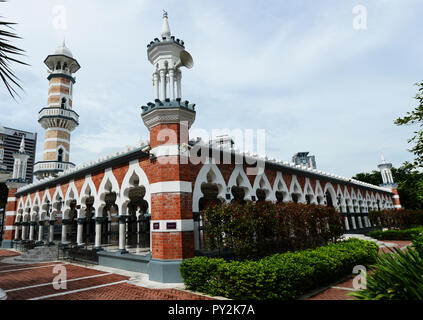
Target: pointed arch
[309, 193]
[202, 178]
[88, 190]
[239, 177]
[295, 190]
[262, 182]
[109, 184]
[280, 186]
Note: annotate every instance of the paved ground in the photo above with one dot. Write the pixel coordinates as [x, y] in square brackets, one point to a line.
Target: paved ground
[340, 290]
[35, 281]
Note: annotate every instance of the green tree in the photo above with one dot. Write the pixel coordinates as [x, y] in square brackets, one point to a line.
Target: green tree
[9, 54]
[415, 117]
[409, 180]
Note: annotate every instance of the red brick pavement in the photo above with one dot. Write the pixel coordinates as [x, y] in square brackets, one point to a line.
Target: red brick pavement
[20, 276]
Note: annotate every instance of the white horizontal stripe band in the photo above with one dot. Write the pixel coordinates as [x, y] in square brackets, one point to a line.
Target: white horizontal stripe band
[60, 85]
[395, 197]
[10, 199]
[9, 228]
[54, 151]
[171, 186]
[58, 129]
[172, 225]
[398, 206]
[57, 140]
[10, 213]
[165, 150]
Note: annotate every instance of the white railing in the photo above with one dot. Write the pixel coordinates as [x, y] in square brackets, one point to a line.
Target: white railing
[53, 166]
[54, 112]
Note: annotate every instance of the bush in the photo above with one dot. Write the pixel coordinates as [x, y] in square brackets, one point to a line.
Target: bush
[402, 219]
[417, 244]
[397, 276]
[407, 234]
[280, 276]
[252, 231]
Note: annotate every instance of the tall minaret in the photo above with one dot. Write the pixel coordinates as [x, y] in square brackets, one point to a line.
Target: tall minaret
[168, 120]
[388, 181]
[21, 163]
[58, 118]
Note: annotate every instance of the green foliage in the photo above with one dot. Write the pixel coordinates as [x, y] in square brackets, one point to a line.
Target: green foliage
[415, 117]
[252, 230]
[401, 219]
[280, 276]
[410, 184]
[397, 276]
[405, 235]
[418, 243]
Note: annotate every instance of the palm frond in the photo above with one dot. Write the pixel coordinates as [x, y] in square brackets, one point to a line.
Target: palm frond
[9, 54]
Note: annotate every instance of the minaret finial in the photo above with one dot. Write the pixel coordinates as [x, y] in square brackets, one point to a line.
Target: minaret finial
[383, 158]
[22, 147]
[165, 27]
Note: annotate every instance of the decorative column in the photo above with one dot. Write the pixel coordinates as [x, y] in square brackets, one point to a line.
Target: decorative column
[32, 225]
[347, 226]
[172, 84]
[163, 84]
[122, 233]
[98, 223]
[178, 84]
[24, 231]
[65, 223]
[40, 232]
[51, 233]
[156, 85]
[353, 222]
[80, 230]
[360, 224]
[17, 227]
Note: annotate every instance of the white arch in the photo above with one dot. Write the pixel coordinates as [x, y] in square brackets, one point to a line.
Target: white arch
[88, 190]
[308, 191]
[261, 182]
[295, 188]
[280, 185]
[56, 203]
[71, 194]
[319, 192]
[202, 178]
[245, 183]
[127, 183]
[329, 188]
[109, 184]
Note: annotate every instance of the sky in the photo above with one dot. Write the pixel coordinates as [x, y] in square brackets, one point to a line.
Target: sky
[324, 76]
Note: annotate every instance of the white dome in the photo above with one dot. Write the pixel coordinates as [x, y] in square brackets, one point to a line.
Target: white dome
[62, 49]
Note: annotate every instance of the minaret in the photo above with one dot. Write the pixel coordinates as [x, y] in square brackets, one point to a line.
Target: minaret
[58, 118]
[388, 181]
[21, 163]
[168, 120]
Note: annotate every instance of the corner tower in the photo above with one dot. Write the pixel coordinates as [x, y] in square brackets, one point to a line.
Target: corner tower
[58, 118]
[168, 120]
[388, 182]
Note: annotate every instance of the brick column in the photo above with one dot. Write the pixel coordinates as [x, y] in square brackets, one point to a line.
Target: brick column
[172, 224]
[396, 200]
[10, 215]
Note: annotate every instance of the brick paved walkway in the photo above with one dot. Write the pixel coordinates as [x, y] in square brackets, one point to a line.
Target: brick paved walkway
[35, 281]
[340, 290]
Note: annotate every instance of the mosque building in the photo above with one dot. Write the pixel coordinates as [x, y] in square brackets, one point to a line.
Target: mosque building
[138, 209]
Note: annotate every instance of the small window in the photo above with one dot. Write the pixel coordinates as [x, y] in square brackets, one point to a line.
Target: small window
[63, 105]
[60, 155]
[58, 66]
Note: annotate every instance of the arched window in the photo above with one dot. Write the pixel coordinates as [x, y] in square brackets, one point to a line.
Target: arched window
[60, 155]
[58, 66]
[65, 66]
[329, 201]
[63, 105]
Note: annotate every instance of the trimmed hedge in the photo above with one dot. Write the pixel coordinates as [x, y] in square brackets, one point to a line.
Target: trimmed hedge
[256, 230]
[407, 234]
[402, 219]
[280, 276]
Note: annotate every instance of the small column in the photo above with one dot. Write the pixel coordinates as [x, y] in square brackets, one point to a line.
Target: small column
[98, 223]
[122, 234]
[347, 225]
[24, 230]
[17, 227]
[51, 233]
[40, 232]
[31, 230]
[178, 84]
[360, 224]
[163, 84]
[156, 85]
[353, 222]
[172, 84]
[65, 223]
[80, 230]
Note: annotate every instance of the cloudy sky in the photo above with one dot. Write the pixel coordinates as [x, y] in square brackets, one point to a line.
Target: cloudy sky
[299, 69]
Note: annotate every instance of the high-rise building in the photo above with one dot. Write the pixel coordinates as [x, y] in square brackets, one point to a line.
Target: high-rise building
[302, 158]
[12, 139]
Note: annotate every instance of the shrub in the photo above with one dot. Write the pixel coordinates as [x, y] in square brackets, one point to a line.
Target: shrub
[418, 244]
[253, 231]
[280, 276]
[407, 234]
[397, 276]
[402, 219]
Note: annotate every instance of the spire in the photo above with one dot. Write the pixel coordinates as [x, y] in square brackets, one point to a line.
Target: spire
[165, 27]
[383, 158]
[22, 147]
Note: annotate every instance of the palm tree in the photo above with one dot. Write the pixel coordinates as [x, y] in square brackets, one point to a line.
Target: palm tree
[7, 54]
